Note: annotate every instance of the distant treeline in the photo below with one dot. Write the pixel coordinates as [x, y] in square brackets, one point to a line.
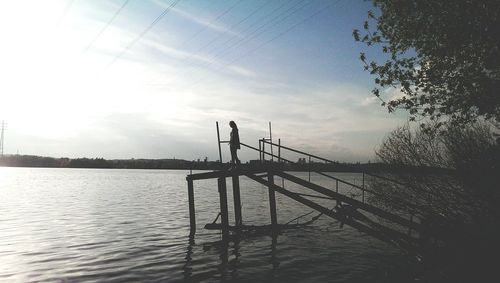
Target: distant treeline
[300, 165]
[41, 161]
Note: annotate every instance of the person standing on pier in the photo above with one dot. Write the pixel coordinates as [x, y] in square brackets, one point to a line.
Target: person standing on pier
[234, 144]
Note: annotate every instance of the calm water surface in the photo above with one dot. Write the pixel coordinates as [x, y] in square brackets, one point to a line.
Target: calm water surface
[86, 225]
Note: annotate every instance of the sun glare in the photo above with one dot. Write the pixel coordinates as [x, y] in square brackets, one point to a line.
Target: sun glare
[48, 78]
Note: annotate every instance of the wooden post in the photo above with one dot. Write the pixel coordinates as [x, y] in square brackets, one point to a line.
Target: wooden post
[260, 150]
[279, 150]
[263, 150]
[218, 142]
[363, 180]
[337, 188]
[192, 215]
[223, 207]
[271, 141]
[363, 197]
[237, 201]
[279, 161]
[272, 200]
[309, 168]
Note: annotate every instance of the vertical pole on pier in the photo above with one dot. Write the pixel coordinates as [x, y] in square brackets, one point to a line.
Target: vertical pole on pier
[363, 180]
[363, 197]
[237, 201]
[271, 141]
[279, 161]
[279, 150]
[309, 168]
[218, 141]
[260, 151]
[337, 187]
[223, 207]
[272, 200]
[192, 217]
[264, 150]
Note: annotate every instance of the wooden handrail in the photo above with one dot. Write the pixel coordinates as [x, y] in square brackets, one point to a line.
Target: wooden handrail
[331, 161]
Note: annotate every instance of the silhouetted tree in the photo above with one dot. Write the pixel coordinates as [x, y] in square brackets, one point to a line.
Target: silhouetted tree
[468, 152]
[459, 206]
[443, 56]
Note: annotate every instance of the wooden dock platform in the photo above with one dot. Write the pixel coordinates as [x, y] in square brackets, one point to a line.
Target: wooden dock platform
[349, 211]
[388, 226]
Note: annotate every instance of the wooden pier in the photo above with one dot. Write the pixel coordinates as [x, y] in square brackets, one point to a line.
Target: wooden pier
[387, 226]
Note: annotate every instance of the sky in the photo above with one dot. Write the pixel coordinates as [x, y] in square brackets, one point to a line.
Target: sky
[149, 78]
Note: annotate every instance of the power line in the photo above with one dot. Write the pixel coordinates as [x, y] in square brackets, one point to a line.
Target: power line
[251, 14]
[213, 21]
[269, 19]
[264, 27]
[107, 25]
[289, 29]
[274, 21]
[143, 33]
[234, 26]
[279, 35]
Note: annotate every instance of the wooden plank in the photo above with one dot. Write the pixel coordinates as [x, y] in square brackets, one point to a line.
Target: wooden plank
[192, 214]
[349, 221]
[225, 173]
[356, 203]
[237, 201]
[224, 215]
[272, 200]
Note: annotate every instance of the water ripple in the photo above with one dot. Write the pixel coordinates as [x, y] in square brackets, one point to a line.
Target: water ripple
[80, 225]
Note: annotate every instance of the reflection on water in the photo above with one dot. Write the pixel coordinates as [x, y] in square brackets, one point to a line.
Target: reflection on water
[187, 269]
[229, 259]
[80, 225]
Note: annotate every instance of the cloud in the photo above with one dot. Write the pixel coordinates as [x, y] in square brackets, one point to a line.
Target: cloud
[152, 104]
[206, 23]
[318, 117]
[195, 18]
[369, 101]
[393, 93]
[242, 71]
[175, 52]
[185, 59]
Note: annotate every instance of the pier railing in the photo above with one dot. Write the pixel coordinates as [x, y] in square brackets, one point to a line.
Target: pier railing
[272, 152]
[356, 210]
[363, 190]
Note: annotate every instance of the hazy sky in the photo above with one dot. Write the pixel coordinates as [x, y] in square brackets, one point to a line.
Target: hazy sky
[78, 79]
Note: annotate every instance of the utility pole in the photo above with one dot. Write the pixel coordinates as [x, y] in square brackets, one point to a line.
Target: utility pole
[1, 138]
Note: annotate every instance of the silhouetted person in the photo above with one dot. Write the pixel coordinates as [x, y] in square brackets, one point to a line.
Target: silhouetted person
[234, 144]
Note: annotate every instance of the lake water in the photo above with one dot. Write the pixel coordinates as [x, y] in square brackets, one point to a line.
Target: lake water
[91, 225]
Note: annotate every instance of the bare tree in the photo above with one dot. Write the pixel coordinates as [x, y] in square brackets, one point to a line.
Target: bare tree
[447, 171]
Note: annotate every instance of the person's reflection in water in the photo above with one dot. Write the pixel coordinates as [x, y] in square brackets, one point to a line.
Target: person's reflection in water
[234, 144]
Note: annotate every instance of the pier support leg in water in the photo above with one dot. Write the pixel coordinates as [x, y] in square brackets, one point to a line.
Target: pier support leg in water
[237, 201]
[272, 201]
[223, 207]
[192, 215]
